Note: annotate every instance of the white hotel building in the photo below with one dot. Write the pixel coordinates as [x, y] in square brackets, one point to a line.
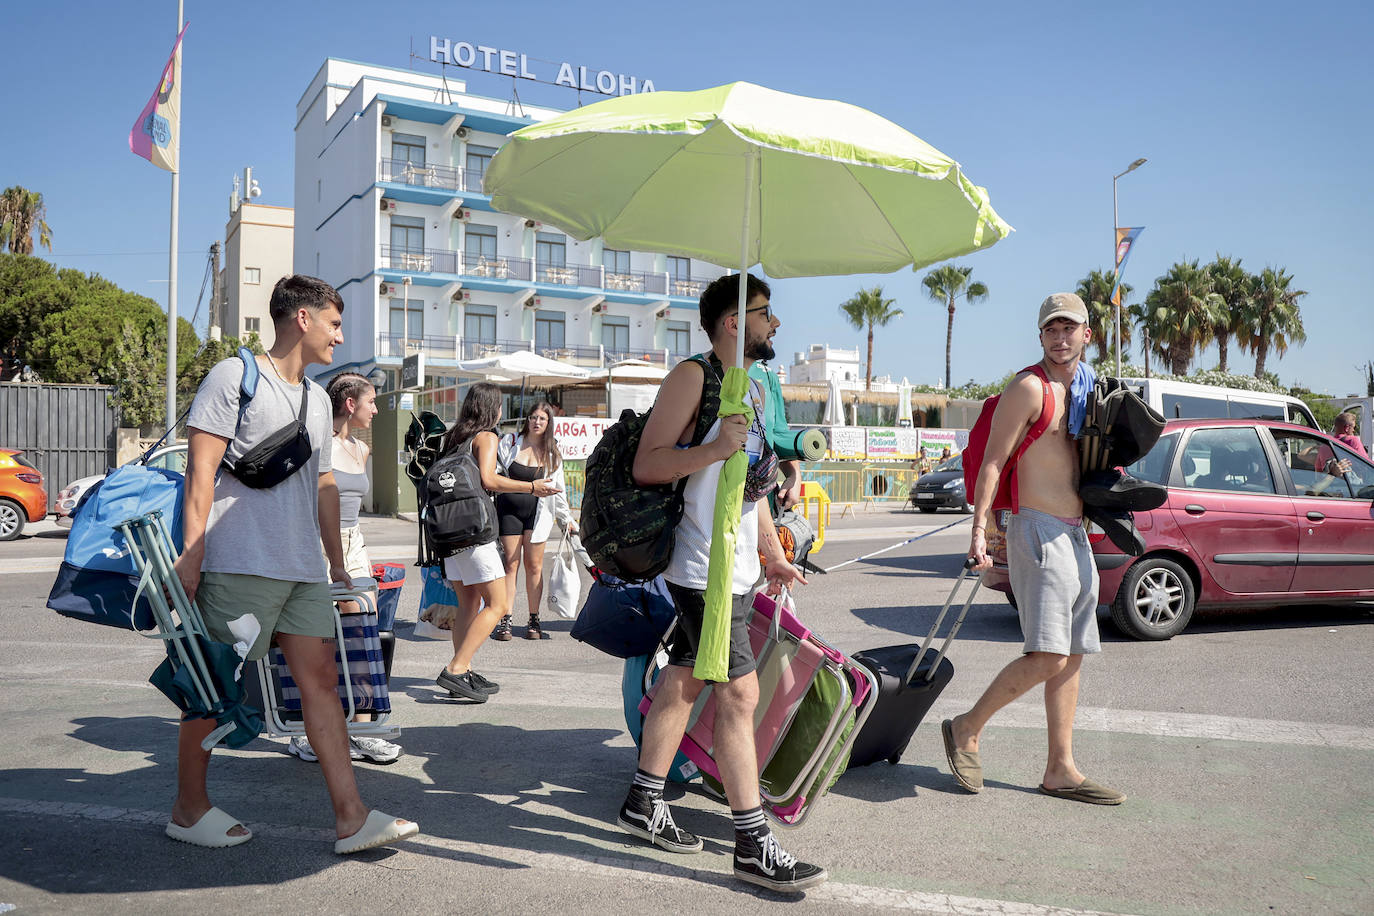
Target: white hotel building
[389, 209]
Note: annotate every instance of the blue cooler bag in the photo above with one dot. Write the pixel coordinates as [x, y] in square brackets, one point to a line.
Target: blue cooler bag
[390, 577]
[97, 580]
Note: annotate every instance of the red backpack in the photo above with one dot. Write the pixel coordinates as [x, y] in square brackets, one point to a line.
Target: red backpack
[972, 457]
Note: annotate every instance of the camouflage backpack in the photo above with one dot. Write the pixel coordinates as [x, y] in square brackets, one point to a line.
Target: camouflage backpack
[627, 527]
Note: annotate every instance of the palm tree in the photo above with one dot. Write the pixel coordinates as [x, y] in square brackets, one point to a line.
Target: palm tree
[867, 309]
[1096, 291]
[944, 285]
[21, 212]
[1277, 319]
[1180, 314]
[1233, 284]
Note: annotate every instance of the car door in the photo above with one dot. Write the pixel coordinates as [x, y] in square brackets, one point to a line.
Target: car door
[1335, 513]
[1225, 501]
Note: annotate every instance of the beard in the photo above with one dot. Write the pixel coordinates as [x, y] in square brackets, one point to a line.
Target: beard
[759, 349]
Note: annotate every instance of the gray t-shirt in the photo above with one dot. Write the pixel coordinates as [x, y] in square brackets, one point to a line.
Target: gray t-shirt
[273, 532]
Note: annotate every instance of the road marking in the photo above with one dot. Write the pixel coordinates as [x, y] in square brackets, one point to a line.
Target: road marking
[607, 866]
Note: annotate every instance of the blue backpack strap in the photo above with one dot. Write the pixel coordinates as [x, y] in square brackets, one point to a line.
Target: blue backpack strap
[249, 386]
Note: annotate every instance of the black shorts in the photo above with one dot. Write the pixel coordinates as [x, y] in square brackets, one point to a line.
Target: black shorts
[686, 636]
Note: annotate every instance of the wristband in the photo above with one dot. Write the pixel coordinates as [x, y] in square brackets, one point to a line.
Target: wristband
[980, 527]
[531, 487]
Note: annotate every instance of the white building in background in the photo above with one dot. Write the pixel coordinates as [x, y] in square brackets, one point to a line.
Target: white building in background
[389, 167]
[257, 252]
[821, 363]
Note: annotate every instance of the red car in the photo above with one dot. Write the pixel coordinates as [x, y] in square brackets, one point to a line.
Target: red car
[22, 497]
[1260, 513]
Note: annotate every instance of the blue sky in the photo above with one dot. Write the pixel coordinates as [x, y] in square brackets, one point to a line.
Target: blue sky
[1255, 118]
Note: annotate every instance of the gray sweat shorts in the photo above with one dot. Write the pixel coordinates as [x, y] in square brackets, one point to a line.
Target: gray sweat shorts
[1055, 582]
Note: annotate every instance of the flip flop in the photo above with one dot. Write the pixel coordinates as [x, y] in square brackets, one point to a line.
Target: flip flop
[378, 830]
[966, 766]
[1088, 792]
[211, 831]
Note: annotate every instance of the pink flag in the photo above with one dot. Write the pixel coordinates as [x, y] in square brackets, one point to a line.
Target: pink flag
[154, 134]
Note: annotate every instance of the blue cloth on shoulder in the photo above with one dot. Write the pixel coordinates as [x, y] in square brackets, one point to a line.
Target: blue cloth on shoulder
[1084, 378]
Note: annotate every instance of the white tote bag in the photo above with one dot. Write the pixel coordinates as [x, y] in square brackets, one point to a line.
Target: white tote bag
[565, 585]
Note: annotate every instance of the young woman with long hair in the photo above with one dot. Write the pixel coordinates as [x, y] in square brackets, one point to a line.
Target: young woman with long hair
[478, 573]
[526, 519]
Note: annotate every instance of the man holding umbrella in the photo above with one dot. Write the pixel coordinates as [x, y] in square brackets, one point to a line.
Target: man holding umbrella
[664, 458]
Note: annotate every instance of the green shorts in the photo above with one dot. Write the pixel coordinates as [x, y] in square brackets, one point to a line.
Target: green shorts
[296, 608]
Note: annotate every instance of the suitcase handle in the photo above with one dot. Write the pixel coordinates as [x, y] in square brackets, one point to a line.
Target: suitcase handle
[939, 619]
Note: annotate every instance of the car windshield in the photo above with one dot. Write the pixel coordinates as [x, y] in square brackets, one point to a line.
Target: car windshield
[953, 464]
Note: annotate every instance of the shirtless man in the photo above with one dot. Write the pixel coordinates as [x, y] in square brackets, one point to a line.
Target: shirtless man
[1050, 562]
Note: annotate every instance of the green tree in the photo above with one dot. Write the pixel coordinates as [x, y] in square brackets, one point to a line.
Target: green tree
[21, 214]
[1233, 284]
[136, 362]
[1180, 313]
[30, 290]
[944, 285]
[867, 310]
[1096, 292]
[1277, 318]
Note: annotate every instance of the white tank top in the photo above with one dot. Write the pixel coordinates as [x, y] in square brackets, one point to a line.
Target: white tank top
[692, 539]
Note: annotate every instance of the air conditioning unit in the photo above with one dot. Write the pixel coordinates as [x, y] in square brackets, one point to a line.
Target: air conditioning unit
[599, 307]
[386, 120]
[464, 296]
[462, 133]
[386, 289]
[531, 224]
[388, 205]
[462, 215]
[662, 313]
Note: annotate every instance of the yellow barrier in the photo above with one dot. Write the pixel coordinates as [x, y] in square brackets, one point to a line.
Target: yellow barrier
[813, 493]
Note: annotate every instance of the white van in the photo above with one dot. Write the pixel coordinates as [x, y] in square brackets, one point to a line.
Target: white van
[1175, 400]
[1363, 408]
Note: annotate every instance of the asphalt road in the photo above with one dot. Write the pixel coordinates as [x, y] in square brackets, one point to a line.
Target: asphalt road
[1246, 746]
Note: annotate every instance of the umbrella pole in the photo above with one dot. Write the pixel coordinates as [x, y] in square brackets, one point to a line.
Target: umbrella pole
[744, 256]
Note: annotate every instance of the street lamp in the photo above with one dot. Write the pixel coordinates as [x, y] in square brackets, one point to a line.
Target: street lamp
[1116, 224]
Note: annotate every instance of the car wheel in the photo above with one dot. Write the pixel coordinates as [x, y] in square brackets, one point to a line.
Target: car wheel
[926, 509]
[968, 508]
[11, 519]
[1155, 600]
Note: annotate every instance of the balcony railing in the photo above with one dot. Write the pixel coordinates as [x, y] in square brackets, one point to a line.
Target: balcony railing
[421, 176]
[433, 260]
[397, 346]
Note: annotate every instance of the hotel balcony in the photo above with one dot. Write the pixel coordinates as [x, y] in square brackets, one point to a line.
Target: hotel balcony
[443, 351]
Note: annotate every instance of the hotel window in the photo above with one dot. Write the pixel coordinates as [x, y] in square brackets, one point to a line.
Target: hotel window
[615, 334]
[679, 268]
[678, 338]
[252, 275]
[550, 250]
[408, 148]
[548, 330]
[617, 262]
[407, 235]
[481, 243]
[479, 324]
[412, 313]
[478, 158]
[252, 325]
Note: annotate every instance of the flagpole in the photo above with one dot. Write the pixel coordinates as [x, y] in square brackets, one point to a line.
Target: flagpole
[172, 258]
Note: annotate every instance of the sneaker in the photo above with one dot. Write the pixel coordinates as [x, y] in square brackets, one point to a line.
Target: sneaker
[461, 685]
[533, 630]
[488, 687]
[502, 631]
[648, 817]
[373, 749]
[299, 746]
[761, 860]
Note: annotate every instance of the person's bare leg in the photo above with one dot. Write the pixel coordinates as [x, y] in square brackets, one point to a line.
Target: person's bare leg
[479, 623]
[193, 765]
[1013, 681]
[1061, 702]
[312, 664]
[667, 719]
[534, 574]
[734, 751]
[510, 549]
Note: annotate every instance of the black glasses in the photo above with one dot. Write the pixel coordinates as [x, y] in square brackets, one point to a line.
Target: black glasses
[766, 309]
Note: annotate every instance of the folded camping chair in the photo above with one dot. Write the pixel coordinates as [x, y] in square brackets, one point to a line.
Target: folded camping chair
[1119, 428]
[362, 675]
[200, 675]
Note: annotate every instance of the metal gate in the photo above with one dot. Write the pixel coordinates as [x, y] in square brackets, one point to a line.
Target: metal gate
[66, 431]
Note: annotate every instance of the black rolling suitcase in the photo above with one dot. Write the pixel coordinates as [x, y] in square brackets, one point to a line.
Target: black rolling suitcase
[909, 680]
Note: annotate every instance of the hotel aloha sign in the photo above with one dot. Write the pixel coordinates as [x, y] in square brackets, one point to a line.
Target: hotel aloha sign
[516, 64]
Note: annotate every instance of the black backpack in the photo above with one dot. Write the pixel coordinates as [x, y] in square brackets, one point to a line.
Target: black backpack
[455, 511]
[627, 527]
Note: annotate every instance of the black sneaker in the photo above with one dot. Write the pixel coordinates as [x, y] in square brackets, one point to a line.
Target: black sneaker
[647, 817]
[486, 686]
[461, 685]
[763, 861]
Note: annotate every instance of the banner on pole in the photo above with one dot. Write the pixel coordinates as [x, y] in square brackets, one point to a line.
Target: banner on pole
[154, 134]
[1125, 239]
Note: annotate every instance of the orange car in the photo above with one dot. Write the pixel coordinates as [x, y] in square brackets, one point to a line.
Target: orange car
[22, 497]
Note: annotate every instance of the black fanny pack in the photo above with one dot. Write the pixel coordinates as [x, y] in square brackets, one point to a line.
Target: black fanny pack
[279, 456]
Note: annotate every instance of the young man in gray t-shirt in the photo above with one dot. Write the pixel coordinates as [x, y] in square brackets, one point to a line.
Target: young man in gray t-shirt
[257, 552]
